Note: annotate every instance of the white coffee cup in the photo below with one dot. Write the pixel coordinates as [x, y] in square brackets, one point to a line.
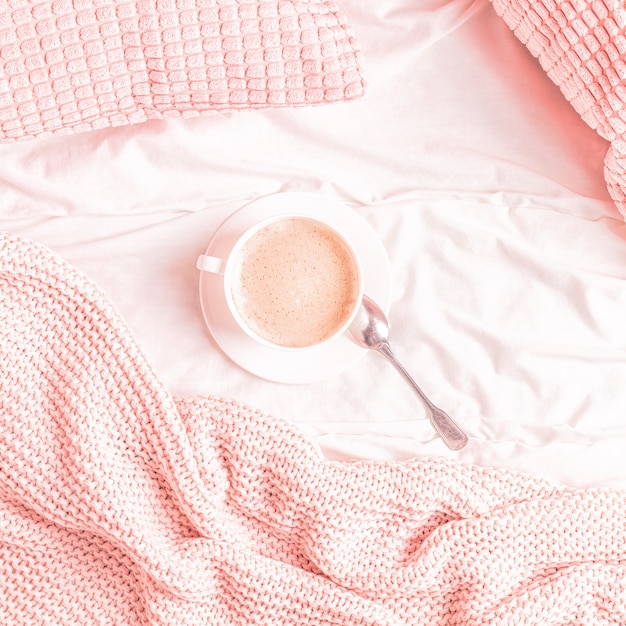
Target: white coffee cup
[291, 281]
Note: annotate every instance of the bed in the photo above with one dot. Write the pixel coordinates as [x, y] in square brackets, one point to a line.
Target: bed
[501, 217]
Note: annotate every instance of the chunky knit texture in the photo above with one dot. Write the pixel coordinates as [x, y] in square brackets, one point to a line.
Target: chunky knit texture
[122, 505]
[581, 44]
[73, 65]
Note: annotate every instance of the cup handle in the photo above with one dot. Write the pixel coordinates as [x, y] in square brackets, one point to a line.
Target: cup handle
[211, 264]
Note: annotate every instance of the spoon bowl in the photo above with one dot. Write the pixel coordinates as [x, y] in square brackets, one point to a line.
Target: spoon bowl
[370, 329]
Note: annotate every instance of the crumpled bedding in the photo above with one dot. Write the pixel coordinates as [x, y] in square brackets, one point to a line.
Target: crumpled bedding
[120, 504]
[487, 191]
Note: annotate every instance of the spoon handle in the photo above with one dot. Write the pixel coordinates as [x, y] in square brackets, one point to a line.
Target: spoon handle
[447, 428]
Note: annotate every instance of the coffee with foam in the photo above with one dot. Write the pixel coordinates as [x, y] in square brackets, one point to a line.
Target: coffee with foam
[295, 282]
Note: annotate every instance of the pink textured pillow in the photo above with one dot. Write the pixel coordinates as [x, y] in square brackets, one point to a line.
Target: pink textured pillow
[75, 65]
[581, 44]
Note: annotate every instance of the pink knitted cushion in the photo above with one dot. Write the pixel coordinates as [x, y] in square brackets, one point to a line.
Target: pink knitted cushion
[122, 506]
[581, 44]
[74, 65]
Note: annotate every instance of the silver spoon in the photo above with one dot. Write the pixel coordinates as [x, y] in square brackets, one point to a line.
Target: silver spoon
[370, 329]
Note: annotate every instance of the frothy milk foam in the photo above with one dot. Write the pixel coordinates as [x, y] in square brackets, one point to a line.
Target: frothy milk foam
[295, 282]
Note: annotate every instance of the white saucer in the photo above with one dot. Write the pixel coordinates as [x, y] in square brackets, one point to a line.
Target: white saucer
[310, 364]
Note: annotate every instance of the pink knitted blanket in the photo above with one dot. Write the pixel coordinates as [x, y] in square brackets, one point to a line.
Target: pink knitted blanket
[122, 505]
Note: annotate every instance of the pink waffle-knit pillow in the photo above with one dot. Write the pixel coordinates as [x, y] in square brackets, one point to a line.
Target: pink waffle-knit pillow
[75, 65]
[581, 44]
